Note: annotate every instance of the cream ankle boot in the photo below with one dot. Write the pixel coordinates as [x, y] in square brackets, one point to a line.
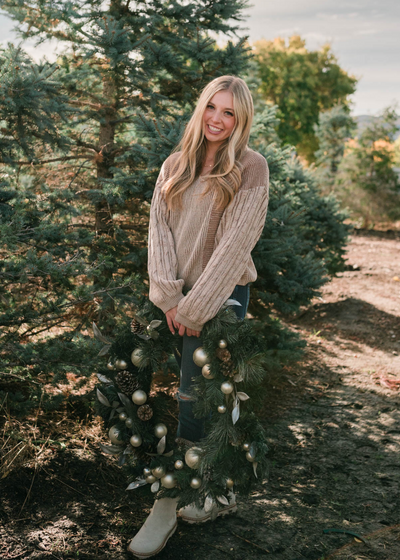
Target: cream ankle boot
[156, 530]
[192, 514]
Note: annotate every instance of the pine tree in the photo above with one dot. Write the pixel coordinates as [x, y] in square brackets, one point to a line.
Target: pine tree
[81, 148]
[334, 128]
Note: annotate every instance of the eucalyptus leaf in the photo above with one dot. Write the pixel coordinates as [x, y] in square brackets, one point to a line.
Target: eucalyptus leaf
[136, 484]
[154, 334]
[102, 398]
[129, 450]
[121, 460]
[105, 350]
[214, 513]
[144, 336]
[169, 454]
[222, 500]
[111, 449]
[112, 414]
[161, 445]
[255, 469]
[155, 323]
[126, 401]
[242, 396]
[155, 486]
[103, 378]
[238, 378]
[231, 302]
[99, 335]
[235, 413]
[208, 503]
[253, 449]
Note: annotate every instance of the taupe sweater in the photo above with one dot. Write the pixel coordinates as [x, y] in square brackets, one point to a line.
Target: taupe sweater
[202, 249]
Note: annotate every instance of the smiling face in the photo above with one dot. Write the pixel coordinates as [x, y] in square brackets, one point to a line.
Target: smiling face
[219, 117]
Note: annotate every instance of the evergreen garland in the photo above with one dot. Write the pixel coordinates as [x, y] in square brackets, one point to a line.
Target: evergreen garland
[232, 455]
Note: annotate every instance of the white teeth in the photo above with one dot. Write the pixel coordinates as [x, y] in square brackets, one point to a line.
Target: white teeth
[214, 129]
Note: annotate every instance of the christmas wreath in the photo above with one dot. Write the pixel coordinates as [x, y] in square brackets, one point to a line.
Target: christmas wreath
[141, 428]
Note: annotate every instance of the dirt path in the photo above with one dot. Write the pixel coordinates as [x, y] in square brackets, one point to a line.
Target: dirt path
[334, 431]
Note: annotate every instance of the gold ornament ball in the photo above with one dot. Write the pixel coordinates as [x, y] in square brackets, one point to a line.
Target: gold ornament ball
[146, 471]
[229, 483]
[195, 483]
[222, 409]
[110, 366]
[160, 430]
[246, 446]
[150, 479]
[121, 364]
[158, 472]
[250, 457]
[200, 357]
[137, 357]
[179, 465]
[113, 434]
[129, 422]
[168, 481]
[136, 440]
[123, 416]
[206, 372]
[192, 457]
[139, 397]
[227, 387]
[222, 343]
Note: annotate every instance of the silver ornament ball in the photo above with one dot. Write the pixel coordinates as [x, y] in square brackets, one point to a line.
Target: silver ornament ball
[139, 397]
[195, 483]
[227, 387]
[206, 372]
[123, 416]
[200, 357]
[146, 471]
[246, 446]
[222, 343]
[250, 457]
[222, 409]
[160, 430]
[179, 465]
[121, 364]
[158, 472]
[129, 422]
[229, 483]
[113, 434]
[168, 481]
[110, 366]
[136, 440]
[192, 457]
[150, 479]
[137, 357]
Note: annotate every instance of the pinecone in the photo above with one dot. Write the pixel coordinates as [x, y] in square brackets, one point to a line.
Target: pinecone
[223, 354]
[226, 368]
[127, 382]
[136, 327]
[145, 412]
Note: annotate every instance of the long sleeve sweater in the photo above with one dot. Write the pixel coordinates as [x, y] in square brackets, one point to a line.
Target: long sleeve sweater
[202, 249]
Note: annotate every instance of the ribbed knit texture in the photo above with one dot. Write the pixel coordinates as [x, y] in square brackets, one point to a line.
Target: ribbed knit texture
[203, 249]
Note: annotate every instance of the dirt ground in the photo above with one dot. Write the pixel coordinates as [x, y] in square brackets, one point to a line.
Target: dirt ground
[333, 424]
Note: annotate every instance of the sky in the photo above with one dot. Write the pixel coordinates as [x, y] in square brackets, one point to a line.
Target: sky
[364, 34]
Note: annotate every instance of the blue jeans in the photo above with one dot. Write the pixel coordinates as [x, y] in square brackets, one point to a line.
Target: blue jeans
[189, 427]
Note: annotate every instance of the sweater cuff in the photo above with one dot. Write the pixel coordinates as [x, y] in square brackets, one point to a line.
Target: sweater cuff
[179, 318]
[167, 304]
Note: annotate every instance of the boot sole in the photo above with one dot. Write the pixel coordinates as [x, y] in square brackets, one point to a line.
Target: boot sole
[159, 549]
[221, 513]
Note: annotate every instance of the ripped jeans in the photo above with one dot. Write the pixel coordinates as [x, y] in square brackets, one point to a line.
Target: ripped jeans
[189, 427]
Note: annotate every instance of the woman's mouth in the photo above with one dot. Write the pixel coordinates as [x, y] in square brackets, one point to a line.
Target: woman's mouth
[213, 129]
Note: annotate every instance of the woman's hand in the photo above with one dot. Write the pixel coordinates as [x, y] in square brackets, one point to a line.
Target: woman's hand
[170, 315]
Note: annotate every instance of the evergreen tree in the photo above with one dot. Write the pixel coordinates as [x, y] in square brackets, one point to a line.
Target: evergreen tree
[80, 155]
[334, 128]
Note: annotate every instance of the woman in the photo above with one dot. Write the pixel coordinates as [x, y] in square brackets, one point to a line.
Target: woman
[207, 213]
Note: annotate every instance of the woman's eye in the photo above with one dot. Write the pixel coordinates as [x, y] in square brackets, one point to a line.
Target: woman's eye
[229, 113]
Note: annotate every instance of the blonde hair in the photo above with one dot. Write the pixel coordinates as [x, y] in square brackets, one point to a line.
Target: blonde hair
[225, 177]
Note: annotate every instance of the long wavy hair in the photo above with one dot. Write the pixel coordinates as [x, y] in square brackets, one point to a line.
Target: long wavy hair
[225, 177]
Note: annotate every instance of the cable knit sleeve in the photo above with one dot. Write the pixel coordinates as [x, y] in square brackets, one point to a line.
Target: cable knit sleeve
[165, 289]
[242, 222]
